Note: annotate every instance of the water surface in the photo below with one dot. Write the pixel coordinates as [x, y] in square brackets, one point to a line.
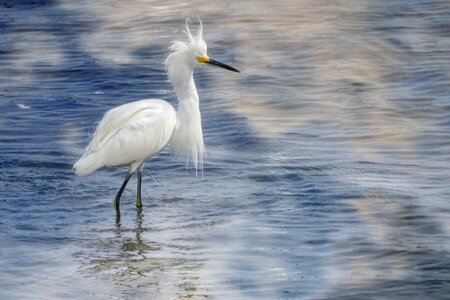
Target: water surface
[328, 157]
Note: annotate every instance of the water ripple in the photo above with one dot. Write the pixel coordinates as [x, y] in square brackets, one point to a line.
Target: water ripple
[327, 171]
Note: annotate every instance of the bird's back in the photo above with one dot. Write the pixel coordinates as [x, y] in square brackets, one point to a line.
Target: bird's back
[128, 135]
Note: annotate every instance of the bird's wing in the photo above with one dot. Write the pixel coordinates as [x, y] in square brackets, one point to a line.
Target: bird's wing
[123, 117]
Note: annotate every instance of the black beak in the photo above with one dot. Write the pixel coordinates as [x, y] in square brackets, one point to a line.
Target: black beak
[219, 64]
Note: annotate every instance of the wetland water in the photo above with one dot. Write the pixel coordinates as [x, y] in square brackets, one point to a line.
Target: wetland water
[327, 174]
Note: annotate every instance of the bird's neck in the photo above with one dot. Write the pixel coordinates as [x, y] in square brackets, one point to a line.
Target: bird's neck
[185, 89]
[188, 101]
[187, 139]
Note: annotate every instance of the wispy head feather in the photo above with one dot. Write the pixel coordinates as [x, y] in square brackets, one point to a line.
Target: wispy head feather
[187, 31]
[198, 36]
[200, 28]
[194, 46]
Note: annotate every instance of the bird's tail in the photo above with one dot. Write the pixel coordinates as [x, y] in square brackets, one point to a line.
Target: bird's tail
[87, 164]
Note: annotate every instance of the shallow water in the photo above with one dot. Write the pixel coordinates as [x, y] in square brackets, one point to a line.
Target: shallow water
[328, 157]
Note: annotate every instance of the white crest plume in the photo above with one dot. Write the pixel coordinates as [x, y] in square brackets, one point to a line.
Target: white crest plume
[195, 46]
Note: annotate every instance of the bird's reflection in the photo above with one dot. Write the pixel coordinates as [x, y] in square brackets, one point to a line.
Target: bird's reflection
[118, 228]
[139, 229]
[132, 246]
[138, 262]
[118, 222]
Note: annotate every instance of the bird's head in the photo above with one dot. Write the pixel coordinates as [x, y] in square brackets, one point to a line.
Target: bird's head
[193, 52]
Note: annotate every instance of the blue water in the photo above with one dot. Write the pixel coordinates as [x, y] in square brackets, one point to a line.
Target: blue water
[328, 158]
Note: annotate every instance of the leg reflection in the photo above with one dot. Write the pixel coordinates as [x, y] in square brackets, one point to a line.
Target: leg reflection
[139, 227]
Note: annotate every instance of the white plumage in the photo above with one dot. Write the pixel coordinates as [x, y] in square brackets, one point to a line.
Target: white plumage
[134, 132]
[129, 135]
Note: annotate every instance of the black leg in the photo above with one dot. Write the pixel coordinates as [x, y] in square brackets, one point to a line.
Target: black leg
[138, 199]
[117, 199]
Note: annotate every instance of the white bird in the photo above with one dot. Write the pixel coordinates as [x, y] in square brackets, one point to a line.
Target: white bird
[132, 133]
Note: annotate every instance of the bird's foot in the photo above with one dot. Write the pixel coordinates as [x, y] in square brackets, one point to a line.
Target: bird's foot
[139, 203]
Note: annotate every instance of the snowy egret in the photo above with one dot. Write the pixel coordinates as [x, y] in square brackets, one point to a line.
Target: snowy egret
[132, 133]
